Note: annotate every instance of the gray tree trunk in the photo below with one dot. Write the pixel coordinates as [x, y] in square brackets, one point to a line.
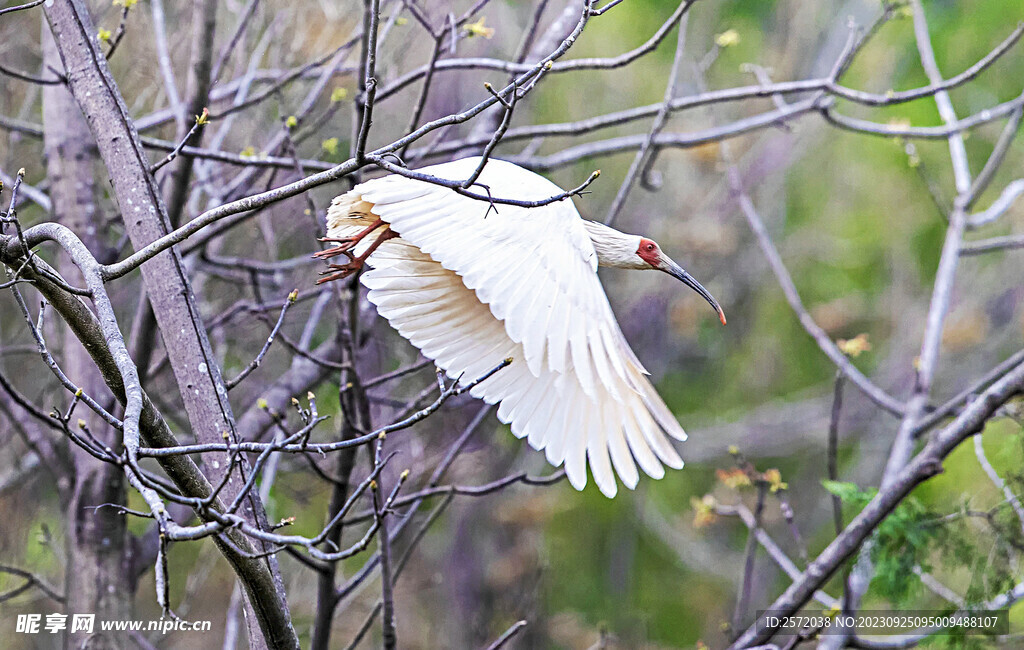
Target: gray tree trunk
[97, 539]
[194, 365]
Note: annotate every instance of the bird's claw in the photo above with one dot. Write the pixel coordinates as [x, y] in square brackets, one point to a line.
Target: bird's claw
[341, 271]
[344, 247]
[346, 244]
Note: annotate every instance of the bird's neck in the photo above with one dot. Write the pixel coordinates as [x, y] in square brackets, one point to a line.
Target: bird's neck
[614, 248]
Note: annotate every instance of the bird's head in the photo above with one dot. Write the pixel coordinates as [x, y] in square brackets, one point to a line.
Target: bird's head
[652, 256]
[617, 249]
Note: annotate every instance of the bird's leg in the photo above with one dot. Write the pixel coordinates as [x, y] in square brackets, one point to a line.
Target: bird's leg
[346, 244]
[339, 271]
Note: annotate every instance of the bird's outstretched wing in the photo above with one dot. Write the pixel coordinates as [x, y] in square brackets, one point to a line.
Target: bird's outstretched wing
[469, 287]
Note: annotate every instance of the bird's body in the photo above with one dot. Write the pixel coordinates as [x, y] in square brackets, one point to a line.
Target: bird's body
[470, 286]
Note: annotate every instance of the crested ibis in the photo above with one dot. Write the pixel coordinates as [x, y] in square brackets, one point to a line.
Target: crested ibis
[471, 284]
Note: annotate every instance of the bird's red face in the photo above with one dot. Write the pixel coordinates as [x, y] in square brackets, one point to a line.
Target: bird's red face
[650, 253]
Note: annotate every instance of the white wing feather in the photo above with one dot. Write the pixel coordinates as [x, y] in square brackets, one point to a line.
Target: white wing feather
[470, 287]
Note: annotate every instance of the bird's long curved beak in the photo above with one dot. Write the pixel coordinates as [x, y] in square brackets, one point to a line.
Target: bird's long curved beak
[676, 271]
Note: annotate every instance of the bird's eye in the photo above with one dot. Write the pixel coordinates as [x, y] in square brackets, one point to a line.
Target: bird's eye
[650, 247]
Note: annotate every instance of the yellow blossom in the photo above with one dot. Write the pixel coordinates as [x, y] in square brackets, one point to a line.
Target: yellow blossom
[330, 145]
[104, 35]
[478, 29]
[728, 38]
[774, 479]
[703, 510]
[854, 347]
[734, 478]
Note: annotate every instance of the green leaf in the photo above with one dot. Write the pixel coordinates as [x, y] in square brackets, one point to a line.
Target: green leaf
[848, 492]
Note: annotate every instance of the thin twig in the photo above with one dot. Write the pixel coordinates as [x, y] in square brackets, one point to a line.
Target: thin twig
[746, 583]
[833, 449]
[255, 363]
[200, 122]
[507, 635]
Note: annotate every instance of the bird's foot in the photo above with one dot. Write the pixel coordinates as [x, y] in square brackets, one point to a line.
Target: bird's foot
[344, 248]
[345, 245]
[341, 271]
[354, 264]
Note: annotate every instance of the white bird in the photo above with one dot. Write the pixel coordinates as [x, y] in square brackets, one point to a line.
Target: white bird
[471, 287]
